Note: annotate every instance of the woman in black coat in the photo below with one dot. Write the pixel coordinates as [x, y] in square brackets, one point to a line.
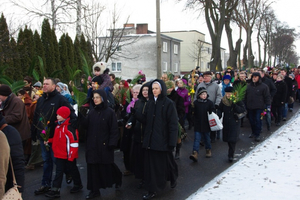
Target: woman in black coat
[138, 134]
[101, 138]
[160, 138]
[231, 123]
[279, 99]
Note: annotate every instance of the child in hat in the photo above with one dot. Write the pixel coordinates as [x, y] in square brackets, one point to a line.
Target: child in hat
[65, 149]
[201, 126]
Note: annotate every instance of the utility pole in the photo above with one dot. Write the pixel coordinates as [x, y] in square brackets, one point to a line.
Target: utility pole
[158, 39]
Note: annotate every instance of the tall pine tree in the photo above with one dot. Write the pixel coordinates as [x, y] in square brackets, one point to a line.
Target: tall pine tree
[48, 45]
[56, 55]
[39, 51]
[5, 53]
[64, 56]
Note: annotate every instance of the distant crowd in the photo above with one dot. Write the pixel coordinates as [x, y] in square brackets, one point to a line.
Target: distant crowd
[43, 124]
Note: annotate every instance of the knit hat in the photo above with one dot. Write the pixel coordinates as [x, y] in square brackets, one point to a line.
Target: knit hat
[226, 77]
[229, 89]
[98, 79]
[207, 73]
[64, 112]
[201, 90]
[5, 90]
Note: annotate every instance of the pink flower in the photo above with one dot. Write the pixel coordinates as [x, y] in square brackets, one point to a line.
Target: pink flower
[44, 132]
[140, 72]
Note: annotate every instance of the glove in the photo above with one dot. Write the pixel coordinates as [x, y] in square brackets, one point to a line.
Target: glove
[268, 108]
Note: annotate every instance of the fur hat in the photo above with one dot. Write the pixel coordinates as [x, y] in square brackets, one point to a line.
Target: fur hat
[229, 89]
[101, 65]
[5, 90]
[227, 77]
[64, 112]
[201, 90]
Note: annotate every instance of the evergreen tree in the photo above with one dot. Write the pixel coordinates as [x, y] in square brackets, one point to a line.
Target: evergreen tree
[89, 57]
[15, 66]
[77, 54]
[64, 56]
[70, 51]
[57, 56]
[39, 51]
[47, 41]
[5, 54]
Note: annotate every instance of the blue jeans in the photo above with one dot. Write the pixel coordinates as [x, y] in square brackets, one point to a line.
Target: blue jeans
[197, 139]
[255, 121]
[284, 110]
[48, 159]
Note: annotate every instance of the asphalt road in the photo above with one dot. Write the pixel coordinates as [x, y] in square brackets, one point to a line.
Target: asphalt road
[192, 175]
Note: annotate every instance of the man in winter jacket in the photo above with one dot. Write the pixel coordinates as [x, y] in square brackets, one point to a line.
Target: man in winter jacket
[289, 85]
[214, 94]
[45, 114]
[272, 89]
[257, 99]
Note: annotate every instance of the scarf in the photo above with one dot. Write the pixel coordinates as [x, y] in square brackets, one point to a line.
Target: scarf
[226, 101]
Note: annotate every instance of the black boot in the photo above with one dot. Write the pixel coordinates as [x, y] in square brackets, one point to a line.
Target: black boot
[177, 153]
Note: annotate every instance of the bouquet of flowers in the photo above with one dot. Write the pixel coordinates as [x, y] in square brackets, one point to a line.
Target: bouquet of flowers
[45, 131]
[263, 114]
[239, 93]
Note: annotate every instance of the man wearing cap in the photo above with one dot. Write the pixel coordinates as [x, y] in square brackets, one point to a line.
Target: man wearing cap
[14, 111]
[214, 94]
[46, 108]
[257, 99]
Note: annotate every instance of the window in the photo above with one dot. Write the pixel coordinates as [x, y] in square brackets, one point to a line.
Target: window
[165, 66]
[116, 67]
[175, 49]
[165, 47]
[176, 67]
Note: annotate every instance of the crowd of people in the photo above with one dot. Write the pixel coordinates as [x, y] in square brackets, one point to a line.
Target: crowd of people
[146, 120]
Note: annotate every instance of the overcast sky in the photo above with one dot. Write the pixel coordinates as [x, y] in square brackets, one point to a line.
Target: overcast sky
[173, 15]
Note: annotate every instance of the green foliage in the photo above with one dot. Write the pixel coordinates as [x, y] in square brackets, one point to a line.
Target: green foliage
[136, 79]
[85, 66]
[79, 97]
[238, 93]
[16, 86]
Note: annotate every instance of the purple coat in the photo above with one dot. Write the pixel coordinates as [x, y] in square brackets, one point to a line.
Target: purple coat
[184, 93]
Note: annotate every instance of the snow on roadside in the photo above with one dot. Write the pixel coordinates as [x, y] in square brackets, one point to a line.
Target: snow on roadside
[269, 171]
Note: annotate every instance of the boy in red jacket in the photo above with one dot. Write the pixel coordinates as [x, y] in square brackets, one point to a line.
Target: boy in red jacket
[65, 150]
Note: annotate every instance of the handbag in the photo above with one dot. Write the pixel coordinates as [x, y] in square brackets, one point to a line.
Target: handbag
[291, 100]
[240, 115]
[13, 193]
[215, 123]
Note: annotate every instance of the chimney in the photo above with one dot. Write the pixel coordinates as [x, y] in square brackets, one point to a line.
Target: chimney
[141, 28]
[129, 25]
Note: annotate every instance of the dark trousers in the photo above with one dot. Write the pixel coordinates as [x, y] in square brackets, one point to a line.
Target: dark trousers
[231, 149]
[61, 165]
[255, 121]
[277, 113]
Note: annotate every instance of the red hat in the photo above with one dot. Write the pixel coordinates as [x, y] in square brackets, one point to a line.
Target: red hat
[64, 112]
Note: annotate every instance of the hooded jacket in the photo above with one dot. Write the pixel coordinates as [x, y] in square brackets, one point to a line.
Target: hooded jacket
[257, 95]
[102, 132]
[161, 120]
[65, 141]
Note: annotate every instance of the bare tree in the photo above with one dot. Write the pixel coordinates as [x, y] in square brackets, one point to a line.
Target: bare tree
[246, 15]
[196, 52]
[106, 44]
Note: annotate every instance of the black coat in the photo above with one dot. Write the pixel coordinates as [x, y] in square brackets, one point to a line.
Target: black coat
[270, 84]
[46, 107]
[257, 95]
[201, 107]
[161, 131]
[280, 96]
[231, 124]
[289, 84]
[17, 156]
[102, 132]
[179, 103]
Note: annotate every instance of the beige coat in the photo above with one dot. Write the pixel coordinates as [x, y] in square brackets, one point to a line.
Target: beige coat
[4, 162]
